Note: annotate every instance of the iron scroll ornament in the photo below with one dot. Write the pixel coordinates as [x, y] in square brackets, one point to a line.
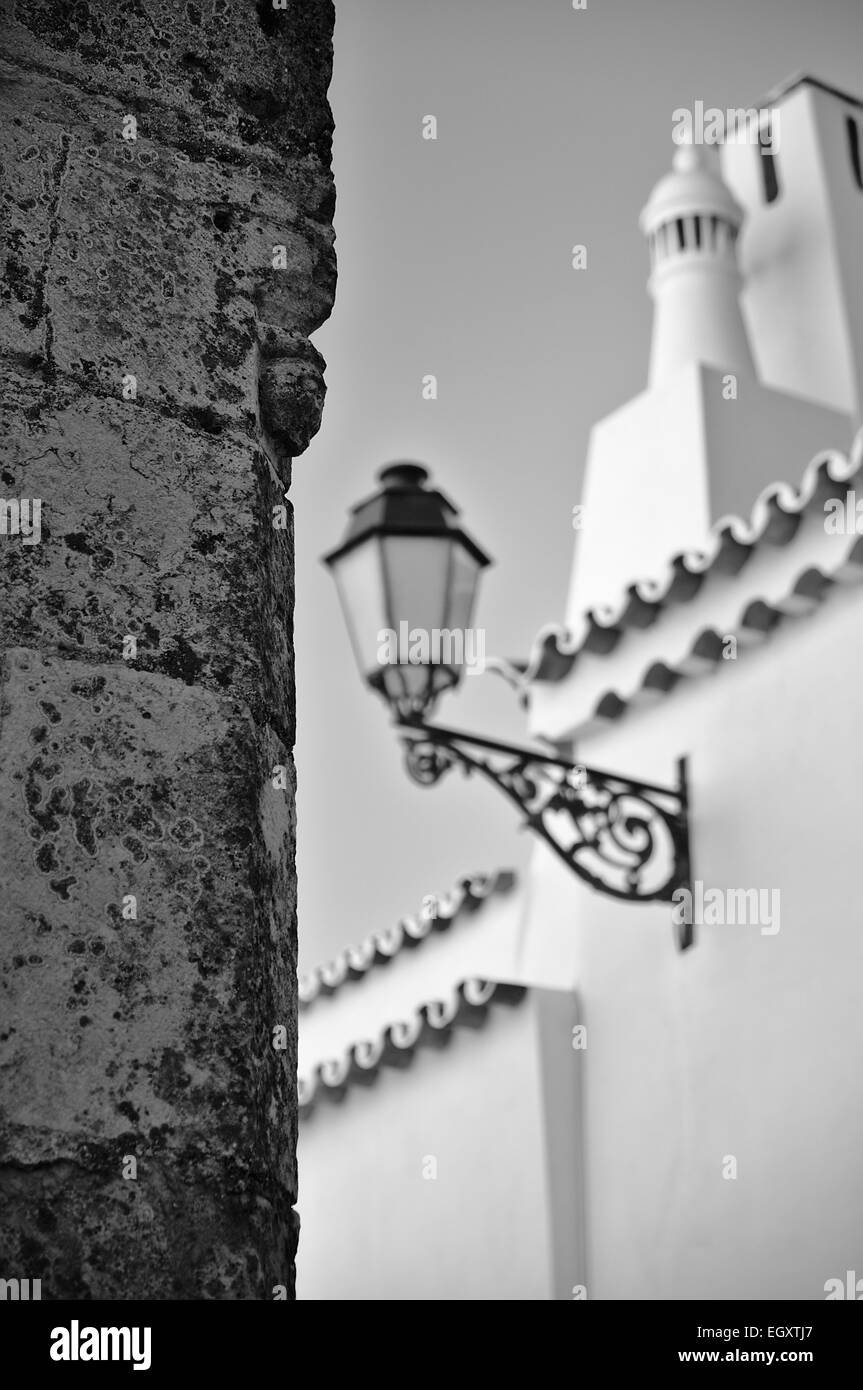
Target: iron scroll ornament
[627, 839]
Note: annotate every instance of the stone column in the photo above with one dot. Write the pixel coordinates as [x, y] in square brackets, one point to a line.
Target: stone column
[165, 216]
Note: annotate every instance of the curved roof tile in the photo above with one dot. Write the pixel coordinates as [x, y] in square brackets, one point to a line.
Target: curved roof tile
[431, 1026]
[757, 621]
[774, 520]
[380, 947]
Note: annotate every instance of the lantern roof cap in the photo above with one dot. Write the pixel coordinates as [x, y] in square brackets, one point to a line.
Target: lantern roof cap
[396, 475]
[405, 506]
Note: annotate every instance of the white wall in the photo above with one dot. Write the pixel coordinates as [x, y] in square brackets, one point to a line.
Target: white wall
[502, 1218]
[748, 1045]
[669, 464]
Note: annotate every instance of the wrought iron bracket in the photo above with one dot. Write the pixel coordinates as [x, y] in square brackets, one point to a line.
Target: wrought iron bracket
[626, 838]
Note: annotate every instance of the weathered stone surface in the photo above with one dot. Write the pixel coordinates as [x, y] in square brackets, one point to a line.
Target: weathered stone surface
[251, 78]
[150, 1036]
[145, 1030]
[127, 259]
[152, 529]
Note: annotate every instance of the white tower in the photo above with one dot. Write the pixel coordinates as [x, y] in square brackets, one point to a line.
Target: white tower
[691, 223]
[706, 436]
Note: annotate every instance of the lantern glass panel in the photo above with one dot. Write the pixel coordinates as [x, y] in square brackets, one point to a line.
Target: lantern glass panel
[359, 579]
[417, 580]
[464, 577]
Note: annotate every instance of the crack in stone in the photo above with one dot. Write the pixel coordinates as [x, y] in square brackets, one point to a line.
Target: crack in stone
[234, 155]
[19, 463]
[98, 661]
[19, 1165]
[229, 428]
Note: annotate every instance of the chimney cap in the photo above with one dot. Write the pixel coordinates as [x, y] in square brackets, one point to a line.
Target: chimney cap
[694, 187]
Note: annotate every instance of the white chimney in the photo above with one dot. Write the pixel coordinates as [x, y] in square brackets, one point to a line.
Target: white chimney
[691, 222]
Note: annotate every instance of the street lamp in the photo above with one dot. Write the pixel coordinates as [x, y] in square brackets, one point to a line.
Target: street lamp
[407, 576]
[405, 565]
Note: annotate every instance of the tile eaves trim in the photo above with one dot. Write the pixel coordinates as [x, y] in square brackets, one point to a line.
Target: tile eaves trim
[431, 1025]
[774, 520]
[380, 947]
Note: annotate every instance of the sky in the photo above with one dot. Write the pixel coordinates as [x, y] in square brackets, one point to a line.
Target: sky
[455, 258]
